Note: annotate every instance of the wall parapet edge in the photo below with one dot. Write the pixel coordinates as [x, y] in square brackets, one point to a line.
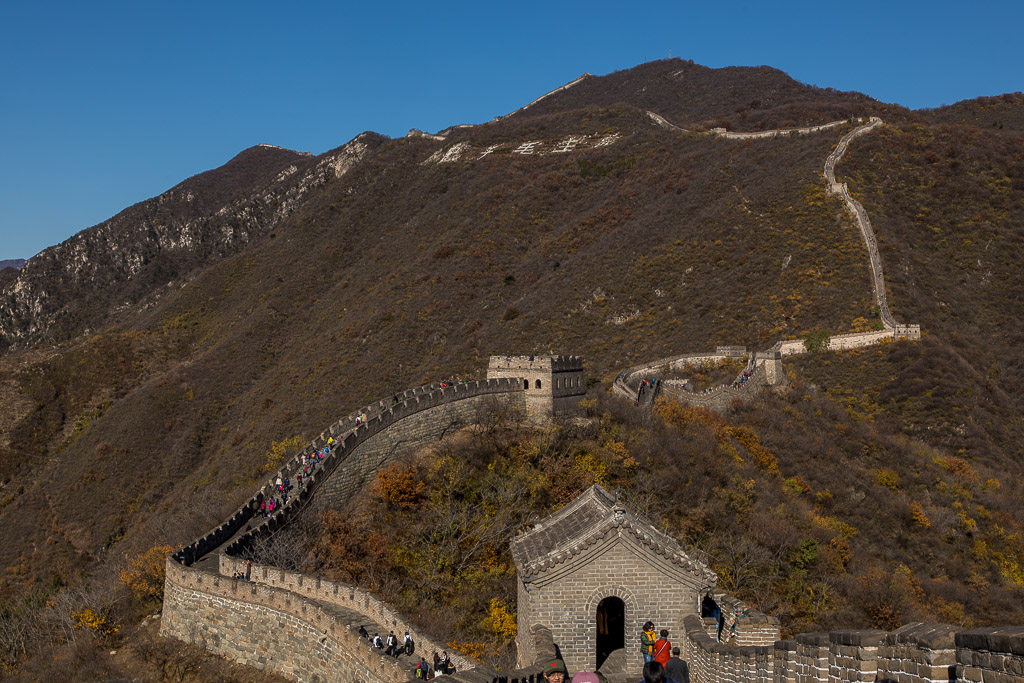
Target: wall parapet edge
[234, 602]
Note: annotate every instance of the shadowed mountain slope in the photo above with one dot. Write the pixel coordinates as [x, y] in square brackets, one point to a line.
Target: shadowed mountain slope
[81, 282]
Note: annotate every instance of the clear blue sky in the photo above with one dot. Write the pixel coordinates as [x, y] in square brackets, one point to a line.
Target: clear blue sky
[104, 104]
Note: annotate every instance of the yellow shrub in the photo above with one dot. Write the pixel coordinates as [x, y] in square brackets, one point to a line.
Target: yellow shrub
[145, 573]
[885, 477]
[279, 450]
[917, 512]
[500, 621]
[478, 651]
[749, 440]
[89, 619]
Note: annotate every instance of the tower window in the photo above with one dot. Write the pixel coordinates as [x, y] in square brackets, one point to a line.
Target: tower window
[537, 384]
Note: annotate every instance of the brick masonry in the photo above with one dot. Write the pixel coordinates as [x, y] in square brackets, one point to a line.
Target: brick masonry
[554, 385]
[914, 653]
[269, 629]
[649, 589]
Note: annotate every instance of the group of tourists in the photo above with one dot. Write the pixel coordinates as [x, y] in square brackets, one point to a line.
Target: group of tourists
[662, 663]
[442, 666]
[246, 575]
[390, 646]
[647, 385]
[555, 671]
[659, 655]
[281, 488]
[747, 374]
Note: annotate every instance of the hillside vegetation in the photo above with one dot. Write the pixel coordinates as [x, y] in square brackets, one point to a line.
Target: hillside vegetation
[144, 414]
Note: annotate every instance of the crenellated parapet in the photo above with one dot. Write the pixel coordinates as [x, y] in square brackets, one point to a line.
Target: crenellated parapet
[913, 653]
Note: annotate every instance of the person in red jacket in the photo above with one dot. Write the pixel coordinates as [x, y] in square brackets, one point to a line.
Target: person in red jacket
[662, 648]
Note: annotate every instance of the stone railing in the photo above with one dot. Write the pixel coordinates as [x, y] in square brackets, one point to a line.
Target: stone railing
[914, 653]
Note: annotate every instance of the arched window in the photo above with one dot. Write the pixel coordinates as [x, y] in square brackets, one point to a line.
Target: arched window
[526, 384]
[558, 383]
[537, 384]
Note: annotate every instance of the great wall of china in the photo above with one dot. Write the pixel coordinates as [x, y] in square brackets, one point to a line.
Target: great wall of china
[306, 627]
[763, 367]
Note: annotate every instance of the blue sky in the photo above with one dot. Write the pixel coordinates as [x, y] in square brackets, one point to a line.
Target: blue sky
[105, 104]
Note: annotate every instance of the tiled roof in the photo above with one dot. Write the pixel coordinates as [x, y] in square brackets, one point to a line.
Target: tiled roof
[592, 518]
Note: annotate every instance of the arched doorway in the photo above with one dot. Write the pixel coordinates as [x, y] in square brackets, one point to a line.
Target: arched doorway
[611, 635]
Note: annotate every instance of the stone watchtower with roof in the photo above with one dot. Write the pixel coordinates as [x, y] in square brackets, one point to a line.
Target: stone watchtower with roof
[554, 384]
[593, 573]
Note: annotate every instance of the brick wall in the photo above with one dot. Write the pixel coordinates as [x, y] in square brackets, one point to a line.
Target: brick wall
[925, 652]
[269, 629]
[914, 653]
[990, 655]
[405, 436]
[317, 588]
[567, 603]
[853, 654]
[553, 384]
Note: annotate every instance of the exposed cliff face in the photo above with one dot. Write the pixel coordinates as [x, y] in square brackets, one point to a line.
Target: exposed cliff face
[71, 287]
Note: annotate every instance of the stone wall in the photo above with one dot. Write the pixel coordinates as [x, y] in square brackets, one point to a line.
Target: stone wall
[649, 588]
[852, 340]
[919, 651]
[720, 398]
[553, 385]
[711, 661]
[407, 435]
[269, 629]
[779, 132]
[914, 653]
[992, 654]
[463, 399]
[350, 597]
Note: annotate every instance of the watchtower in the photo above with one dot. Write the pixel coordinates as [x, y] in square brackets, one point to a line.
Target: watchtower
[554, 384]
[593, 573]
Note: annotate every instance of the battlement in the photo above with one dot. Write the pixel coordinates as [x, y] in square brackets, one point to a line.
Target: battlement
[906, 331]
[553, 384]
[533, 363]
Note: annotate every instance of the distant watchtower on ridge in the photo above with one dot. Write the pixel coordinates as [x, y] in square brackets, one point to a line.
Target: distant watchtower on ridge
[554, 384]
